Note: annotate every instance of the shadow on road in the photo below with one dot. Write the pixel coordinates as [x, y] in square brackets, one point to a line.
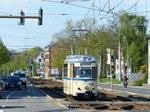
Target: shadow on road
[11, 107]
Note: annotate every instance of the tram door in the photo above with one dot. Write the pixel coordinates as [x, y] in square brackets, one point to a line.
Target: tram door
[70, 76]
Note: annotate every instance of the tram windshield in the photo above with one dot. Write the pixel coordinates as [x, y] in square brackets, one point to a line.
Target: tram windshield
[81, 72]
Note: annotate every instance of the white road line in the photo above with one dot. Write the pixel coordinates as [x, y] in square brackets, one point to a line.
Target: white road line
[9, 95]
[3, 106]
[1, 110]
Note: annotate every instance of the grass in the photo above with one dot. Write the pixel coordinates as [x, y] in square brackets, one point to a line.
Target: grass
[115, 81]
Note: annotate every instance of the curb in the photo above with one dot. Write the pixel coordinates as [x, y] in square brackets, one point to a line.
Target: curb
[130, 93]
[54, 101]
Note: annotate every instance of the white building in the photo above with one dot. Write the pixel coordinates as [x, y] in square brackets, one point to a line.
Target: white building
[40, 60]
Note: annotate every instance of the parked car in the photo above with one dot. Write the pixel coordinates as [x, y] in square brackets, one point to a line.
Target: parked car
[13, 82]
[3, 77]
[58, 77]
[23, 78]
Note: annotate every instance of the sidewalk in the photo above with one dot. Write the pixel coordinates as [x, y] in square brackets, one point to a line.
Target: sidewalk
[143, 90]
[145, 86]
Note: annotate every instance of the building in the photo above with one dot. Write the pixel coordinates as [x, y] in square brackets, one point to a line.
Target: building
[47, 60]
[40, 60]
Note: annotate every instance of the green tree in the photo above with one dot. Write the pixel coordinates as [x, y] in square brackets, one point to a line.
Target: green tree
[4, 53]
[20, 61]
[94, 42]
[33, 51]
[134, 28]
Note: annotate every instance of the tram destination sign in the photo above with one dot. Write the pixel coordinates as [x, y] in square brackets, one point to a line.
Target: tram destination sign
[85, 64]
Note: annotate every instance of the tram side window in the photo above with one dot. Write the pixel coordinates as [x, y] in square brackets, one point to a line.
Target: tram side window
[94, 72]
[65, 70]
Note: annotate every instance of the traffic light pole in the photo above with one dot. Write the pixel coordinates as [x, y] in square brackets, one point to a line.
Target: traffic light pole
[112, 67]
[22, 17]
[27, 17]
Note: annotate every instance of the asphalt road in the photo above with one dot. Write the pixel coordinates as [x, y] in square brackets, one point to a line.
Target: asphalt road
[28, 99]
[136, 90]
[31, 99]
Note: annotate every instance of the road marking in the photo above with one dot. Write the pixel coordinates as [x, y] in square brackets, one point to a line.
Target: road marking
[9, 95]
[1, 110]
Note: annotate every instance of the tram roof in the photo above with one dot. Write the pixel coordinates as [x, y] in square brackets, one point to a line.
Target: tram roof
[80, 59]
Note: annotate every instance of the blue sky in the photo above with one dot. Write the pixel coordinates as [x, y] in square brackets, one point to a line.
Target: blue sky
[19, 37]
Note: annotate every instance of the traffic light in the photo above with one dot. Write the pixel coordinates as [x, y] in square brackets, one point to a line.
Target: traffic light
[41, 16]
[22, 19]
[112, 69]
[112, 58]
[112, 62]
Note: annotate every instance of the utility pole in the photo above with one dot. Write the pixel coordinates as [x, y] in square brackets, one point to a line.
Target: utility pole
[120, 74]
[81, 30]
[49, 60]
[148, 60]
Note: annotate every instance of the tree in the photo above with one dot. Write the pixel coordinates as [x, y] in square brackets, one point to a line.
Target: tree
[4, 53]
[20, 61]
[134, 28]
[33, 51]
[94, 41]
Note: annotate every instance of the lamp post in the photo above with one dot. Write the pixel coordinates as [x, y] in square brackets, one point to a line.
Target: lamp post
[148, 60]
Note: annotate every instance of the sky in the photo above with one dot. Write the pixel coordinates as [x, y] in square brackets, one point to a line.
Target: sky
[21, 37]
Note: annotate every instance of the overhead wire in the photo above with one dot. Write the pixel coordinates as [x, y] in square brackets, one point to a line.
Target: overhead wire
[127, 10]
[87, 13]
[84, 20]
[67, 3]
[105, 4]
[110, 11]
[103, 8]
[116, 6]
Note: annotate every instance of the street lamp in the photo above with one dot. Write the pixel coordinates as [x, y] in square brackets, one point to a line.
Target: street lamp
[148, 60]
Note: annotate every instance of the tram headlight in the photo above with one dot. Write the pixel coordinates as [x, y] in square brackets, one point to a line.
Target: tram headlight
[79, 89]
[86, 88]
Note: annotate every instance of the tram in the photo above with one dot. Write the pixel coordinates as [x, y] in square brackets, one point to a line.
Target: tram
[80, 76]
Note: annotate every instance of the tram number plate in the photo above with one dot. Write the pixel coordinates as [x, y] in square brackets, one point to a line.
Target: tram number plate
[91, 84]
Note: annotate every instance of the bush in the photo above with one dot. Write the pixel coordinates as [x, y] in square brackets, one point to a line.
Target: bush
[144, 68]
[138, 82]
[144, 78]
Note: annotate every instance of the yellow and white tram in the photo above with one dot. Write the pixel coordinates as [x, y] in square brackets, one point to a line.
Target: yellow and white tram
[80, 76]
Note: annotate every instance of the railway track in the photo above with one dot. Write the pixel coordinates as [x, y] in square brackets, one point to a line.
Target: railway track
[110, 102]
[105, 101]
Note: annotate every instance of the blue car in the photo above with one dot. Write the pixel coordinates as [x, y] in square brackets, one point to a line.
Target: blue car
[13, 82]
